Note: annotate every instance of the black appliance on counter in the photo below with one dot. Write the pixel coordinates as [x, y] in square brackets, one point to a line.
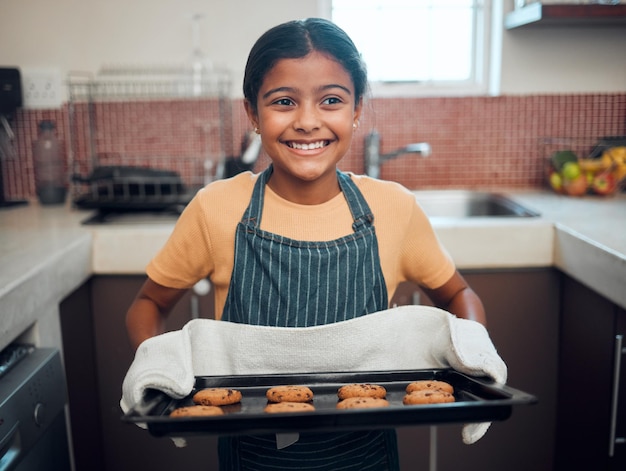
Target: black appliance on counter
[131, 194]
[124, 190]
[10, 100]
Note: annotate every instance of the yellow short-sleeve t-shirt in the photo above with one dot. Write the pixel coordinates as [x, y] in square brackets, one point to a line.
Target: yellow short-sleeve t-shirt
[202, 243]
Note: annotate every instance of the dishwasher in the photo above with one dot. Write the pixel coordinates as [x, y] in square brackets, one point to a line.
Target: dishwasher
[33, 432]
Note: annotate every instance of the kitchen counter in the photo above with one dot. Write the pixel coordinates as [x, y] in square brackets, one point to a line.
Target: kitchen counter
[589, 239]
[45, 252]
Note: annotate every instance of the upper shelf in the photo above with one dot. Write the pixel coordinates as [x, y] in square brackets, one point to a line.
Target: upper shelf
[563, 14]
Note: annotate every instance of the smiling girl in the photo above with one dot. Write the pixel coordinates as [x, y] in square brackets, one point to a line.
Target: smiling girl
[302, 243]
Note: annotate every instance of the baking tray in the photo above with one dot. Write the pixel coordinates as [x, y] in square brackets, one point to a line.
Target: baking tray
[477, 400]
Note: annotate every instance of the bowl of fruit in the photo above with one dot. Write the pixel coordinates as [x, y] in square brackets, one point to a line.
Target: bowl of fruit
[576, 173]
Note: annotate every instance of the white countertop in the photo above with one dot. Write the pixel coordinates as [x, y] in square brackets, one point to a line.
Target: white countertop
[45, 252]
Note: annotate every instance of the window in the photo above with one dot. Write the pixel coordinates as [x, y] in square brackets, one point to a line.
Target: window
[420, 47]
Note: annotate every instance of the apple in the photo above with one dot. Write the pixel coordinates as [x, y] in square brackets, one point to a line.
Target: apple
[556, 182]
[604, 183]
[571, 170]
[576, 186]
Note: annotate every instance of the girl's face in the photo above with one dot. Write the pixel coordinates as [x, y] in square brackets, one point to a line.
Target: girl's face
[306, 116]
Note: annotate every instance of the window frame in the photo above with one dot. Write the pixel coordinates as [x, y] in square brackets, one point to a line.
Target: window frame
[485, 80]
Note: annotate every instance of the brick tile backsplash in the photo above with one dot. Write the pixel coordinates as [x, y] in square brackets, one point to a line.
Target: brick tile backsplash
[477, 142]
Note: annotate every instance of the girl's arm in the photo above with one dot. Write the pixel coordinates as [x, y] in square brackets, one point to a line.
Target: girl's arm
[458, 298]
[146, 316]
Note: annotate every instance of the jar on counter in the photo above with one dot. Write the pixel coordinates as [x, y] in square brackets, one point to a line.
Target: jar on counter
[50, 181]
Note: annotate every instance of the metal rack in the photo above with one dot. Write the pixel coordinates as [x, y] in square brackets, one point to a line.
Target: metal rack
[147, 137]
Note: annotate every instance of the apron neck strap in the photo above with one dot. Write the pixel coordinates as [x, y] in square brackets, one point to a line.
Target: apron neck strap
[360, 210]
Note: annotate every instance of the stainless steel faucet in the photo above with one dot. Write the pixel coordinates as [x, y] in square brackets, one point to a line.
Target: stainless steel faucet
[373, 158]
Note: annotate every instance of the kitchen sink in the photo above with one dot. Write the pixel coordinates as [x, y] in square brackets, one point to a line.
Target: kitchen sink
[468, 204]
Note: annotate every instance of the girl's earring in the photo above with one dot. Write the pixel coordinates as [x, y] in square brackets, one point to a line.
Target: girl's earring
[257, 130]
[354, 126]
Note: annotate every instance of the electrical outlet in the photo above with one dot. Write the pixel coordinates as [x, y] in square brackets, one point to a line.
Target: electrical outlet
[42, 88]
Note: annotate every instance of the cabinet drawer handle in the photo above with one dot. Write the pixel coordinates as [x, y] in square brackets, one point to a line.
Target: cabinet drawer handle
[619, 351]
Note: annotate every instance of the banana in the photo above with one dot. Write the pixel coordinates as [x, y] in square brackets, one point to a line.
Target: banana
[596, 165]
[616, 154]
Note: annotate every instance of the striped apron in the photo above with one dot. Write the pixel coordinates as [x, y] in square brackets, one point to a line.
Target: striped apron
[277, 281]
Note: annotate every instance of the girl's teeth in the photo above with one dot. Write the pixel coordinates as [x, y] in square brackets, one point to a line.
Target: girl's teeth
[311, 146]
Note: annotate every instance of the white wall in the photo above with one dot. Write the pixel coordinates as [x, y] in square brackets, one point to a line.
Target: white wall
[564, 60]
[82, 35]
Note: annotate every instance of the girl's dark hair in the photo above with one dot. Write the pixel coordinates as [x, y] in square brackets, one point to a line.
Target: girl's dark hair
[296, 39]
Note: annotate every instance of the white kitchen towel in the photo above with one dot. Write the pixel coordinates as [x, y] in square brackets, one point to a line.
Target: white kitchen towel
[401, 338]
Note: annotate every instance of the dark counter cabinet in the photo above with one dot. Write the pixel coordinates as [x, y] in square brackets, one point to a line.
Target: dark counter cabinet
[591, 406]
[97, 355]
